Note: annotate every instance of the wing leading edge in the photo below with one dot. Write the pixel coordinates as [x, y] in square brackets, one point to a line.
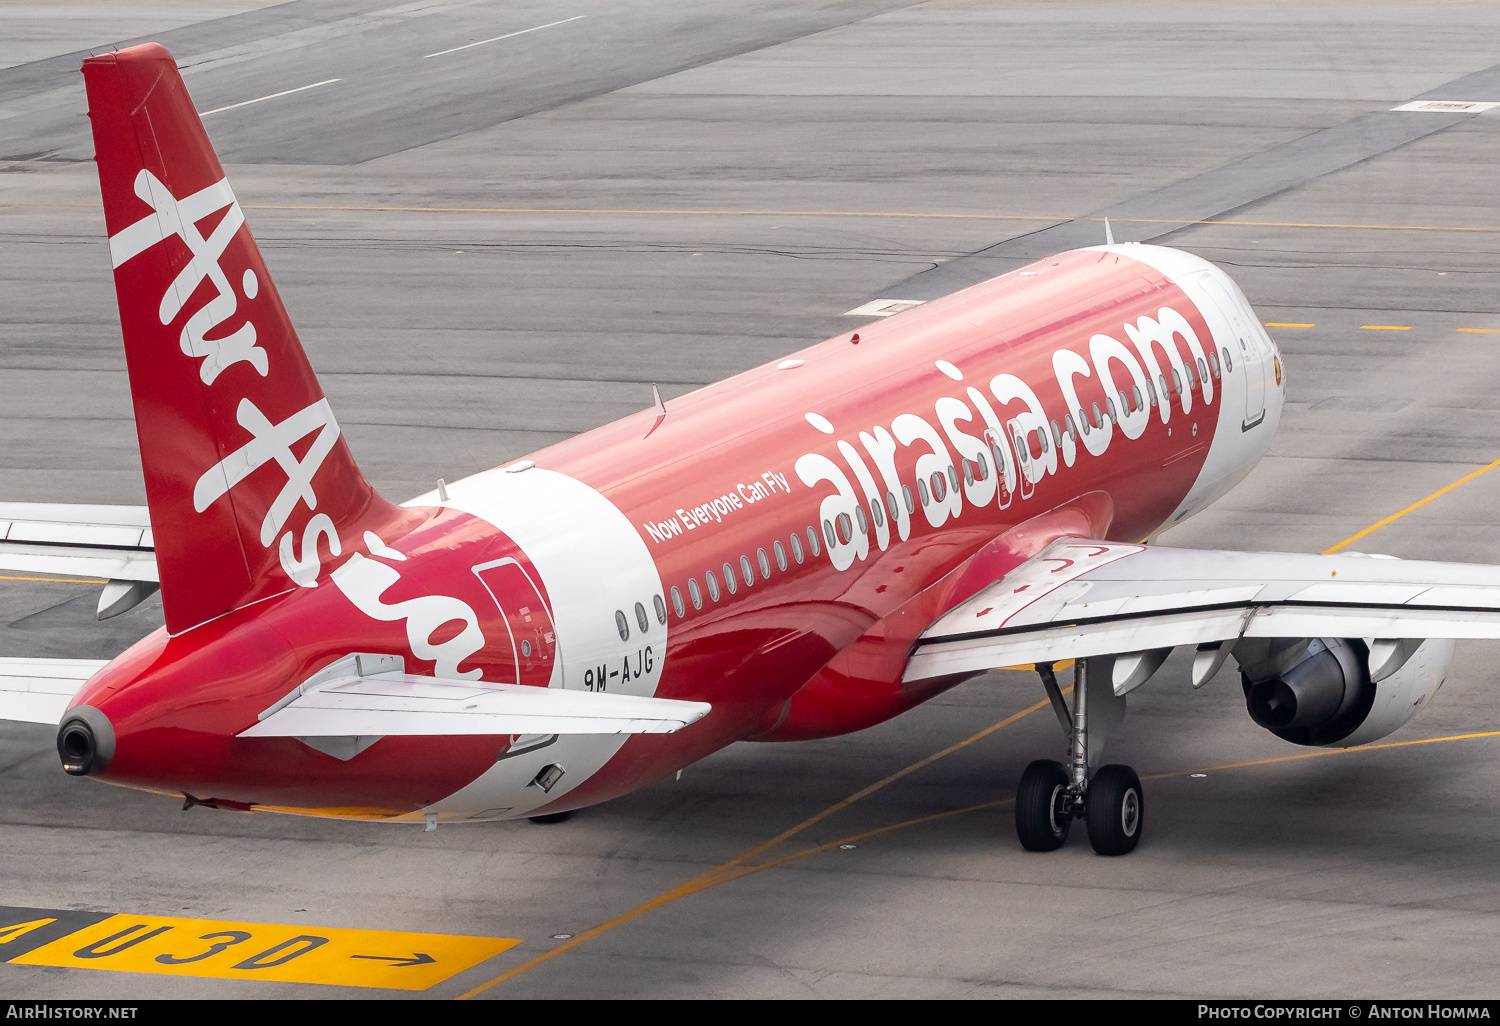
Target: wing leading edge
[1079, 598]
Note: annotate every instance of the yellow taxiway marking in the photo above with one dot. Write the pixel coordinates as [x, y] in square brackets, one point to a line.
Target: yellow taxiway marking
[1416, 505]
[57, 580]
[385, 959]
[735, 870]
[1288, 324]
[374, 208]
[1481, 331]
[1385, 327]
[735, 867]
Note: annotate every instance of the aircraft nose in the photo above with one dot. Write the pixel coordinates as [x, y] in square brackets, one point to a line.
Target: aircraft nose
[85, 741]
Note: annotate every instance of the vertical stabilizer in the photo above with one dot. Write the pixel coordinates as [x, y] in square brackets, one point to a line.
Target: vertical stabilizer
[250, 484]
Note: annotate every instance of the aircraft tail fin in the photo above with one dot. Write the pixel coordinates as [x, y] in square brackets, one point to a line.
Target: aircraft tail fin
[248, 478]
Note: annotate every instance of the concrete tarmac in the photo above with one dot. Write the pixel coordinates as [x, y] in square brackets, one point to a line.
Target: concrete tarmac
[494, 248]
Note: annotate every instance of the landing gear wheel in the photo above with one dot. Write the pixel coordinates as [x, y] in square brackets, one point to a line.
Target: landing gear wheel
[552, 817]
[1040, 824]
[1116, 811]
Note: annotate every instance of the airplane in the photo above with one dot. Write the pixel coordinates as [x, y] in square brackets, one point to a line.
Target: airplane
[803, 550]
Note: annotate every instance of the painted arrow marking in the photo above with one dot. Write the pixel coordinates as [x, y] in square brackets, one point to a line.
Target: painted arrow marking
[399, 960]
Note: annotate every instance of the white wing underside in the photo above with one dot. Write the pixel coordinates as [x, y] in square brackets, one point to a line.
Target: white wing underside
[40, 690]
[402, 704]
[1078, 599]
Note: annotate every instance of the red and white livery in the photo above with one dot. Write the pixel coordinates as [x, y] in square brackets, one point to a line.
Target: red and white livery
[803, 550]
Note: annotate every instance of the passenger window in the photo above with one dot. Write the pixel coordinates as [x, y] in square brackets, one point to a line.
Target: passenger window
[984, 468]
[864, 523]
[1166, 393]
[1202, 371]
[746, 572]
[828, 533]
[1114, 418]
[953, 476]
[1176, 381]
[661, 610]
[890, 504]
[765, 564]
[922, 491]
[640, 618]
[622, 625]
[713, 585]
[939, 486]
[677, 606]
[729, 581]
[812, 541]
[1042, 437]
[797, 548]
[846, 529]
[694, 593]
[1228, 363]
[877, 512]
[1213, 363]
[1056, 434]
[1068, 426]
[911, 507]
[1098, 418]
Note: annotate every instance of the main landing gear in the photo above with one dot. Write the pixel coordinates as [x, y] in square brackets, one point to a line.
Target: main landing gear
[1051, 795]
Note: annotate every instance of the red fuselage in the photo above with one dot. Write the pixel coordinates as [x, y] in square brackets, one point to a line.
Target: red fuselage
[772, 545]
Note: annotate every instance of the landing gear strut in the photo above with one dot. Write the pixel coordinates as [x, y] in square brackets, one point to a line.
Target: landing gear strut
[1050, 796]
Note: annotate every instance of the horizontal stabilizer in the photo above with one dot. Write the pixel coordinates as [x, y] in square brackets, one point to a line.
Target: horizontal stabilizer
[40, 690]
[403, 704]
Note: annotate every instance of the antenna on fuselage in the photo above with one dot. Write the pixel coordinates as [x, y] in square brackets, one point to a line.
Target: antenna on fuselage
[660, 408]
[1109, 235]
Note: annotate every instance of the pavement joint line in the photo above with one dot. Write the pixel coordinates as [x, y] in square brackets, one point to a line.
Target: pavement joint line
[272, 96]
[1416, 505]
[508, 35]
[735, 868]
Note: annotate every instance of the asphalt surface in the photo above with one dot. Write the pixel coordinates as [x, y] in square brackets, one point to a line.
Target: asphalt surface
[491, 249]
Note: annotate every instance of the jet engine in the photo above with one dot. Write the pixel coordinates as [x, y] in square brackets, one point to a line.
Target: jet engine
[1338, 692]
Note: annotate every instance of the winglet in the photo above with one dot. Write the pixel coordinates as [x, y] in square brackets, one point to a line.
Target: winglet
[1109, 235]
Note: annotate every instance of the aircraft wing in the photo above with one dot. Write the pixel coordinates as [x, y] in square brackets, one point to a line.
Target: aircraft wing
[403, 704]
[70, 540]
[1080, 598]
[40, 690]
